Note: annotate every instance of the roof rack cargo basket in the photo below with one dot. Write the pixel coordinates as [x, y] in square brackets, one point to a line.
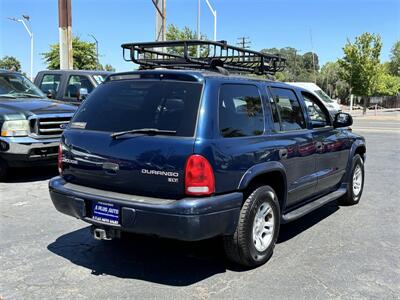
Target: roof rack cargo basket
[202, 54]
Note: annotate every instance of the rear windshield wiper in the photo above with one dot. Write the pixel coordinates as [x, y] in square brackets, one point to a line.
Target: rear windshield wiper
[149, 131]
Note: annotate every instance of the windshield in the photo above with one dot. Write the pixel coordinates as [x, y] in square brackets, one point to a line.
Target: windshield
[138, 104]
[16, 85]
[324, 96]
[99, 78]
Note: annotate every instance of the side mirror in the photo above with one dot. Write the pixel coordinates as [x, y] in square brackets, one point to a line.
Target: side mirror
[342, 120]
[83, 93]
[51, 94]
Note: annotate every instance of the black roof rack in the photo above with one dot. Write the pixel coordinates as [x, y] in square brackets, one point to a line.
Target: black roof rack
[211, 55]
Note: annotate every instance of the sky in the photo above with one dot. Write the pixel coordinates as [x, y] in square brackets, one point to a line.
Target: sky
[267, 23]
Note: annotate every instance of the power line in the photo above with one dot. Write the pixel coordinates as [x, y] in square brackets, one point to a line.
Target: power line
[244, 42]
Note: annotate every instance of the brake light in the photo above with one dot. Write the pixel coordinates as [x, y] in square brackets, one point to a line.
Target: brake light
[59, 159]
[199, 176]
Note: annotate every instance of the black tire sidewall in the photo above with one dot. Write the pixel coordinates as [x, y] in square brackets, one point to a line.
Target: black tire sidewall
[3, 169]
[264, 194]
[357, 161]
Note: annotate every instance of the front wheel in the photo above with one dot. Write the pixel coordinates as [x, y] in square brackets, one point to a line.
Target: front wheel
[356, 185]
[257, 231]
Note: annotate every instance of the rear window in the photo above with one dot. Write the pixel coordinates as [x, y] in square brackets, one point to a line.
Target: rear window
[136, 104]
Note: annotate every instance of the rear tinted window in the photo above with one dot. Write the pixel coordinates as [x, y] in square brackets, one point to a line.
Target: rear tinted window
[126, 105]
[240, 111]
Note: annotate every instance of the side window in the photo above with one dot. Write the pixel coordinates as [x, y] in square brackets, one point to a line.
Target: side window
[286, 110]
[240, 111]
[76, 82]
[50, 82]
[319, 115]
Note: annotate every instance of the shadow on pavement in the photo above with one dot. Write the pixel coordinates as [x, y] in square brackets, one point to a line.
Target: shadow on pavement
[294, 228]
[159, 260]
[30, 174]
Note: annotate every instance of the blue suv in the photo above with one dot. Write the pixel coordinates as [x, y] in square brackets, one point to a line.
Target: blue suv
[194, 154]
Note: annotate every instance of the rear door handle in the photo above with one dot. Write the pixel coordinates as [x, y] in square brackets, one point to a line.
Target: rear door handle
[283, 153]
[318, 145]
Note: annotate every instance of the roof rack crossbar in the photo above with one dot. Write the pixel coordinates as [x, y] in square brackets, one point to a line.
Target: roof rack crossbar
[212, 54]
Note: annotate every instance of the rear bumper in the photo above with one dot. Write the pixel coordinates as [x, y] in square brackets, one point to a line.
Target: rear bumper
[188, 219]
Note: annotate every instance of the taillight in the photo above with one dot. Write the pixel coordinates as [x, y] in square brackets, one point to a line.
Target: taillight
[59, 160]
[199, 176]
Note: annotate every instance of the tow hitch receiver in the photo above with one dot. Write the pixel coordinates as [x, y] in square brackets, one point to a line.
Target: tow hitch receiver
[105, 234]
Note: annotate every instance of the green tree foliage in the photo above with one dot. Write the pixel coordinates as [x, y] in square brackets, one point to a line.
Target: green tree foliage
[330, 80]
[298, 67]
[174, 33]
[386, 83]
[309, 61]
[394, 63]
[109, 68]
[10, 63]
[361, 63]
[84, 55]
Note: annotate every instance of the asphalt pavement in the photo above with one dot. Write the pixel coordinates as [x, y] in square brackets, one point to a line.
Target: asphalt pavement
[335, 252]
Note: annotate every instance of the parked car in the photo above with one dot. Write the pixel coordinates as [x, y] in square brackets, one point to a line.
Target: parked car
[332, 105]
[193, 154]
[30, 123]
[70, 86]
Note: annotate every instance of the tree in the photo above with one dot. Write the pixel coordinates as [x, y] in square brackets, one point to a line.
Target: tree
[294, 70]
[330, 80]
[361, 64]
[10, 63]
[109, 68]
[176, 34]
[84, 55]
[309, 61]
[387, 84]
[394, 63]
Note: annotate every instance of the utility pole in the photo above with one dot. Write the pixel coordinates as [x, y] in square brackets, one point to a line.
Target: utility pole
[65, 34]
[243, 42]
[161, 17]
[97, 51]
[198, 25]
[30, 33]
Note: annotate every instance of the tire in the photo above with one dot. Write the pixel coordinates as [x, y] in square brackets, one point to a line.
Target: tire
[259, 217]
[3, 169]
[356, 184]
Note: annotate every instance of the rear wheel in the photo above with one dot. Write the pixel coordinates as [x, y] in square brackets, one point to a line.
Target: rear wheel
[356, 185]
[257, 231]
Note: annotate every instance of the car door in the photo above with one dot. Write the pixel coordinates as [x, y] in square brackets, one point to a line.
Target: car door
[294, 143]
[331, 144]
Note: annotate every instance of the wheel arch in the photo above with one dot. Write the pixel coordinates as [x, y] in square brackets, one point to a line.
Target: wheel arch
[270, 173]
[358, 147]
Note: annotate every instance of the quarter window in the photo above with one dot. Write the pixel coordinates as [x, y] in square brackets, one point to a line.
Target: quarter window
[240, 111]
[286, 110]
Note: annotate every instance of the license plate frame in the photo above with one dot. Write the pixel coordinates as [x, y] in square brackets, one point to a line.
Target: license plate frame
[106, 212]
